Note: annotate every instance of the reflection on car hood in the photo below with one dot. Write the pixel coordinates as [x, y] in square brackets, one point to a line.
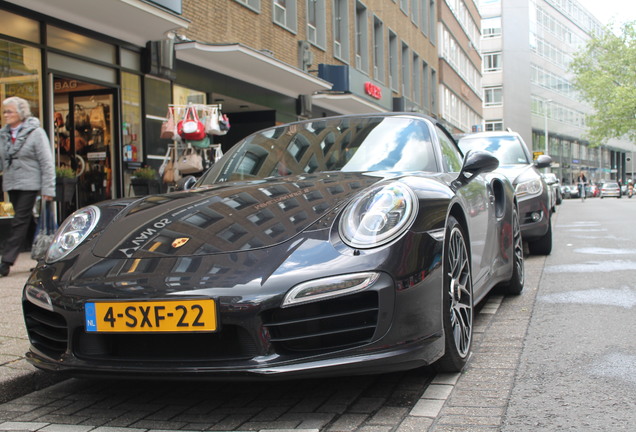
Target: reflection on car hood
[228, 217]
[512, 172]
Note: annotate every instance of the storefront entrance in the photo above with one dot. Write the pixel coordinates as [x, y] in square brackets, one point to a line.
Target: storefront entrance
[85, 141]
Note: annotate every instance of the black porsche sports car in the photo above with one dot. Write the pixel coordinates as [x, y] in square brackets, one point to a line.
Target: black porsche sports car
[341, 245]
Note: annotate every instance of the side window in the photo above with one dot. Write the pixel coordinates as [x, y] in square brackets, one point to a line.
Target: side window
[451, 157]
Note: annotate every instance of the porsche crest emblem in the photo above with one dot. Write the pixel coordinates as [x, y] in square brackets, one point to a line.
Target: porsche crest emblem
[177, 243]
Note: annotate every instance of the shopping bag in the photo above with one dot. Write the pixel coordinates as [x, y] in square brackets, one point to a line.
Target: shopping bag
[45, 232]
[212, 126]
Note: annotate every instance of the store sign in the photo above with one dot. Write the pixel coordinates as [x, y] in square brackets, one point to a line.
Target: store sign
[372, 90]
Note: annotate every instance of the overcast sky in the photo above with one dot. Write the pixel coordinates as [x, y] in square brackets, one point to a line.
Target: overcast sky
[605, 10]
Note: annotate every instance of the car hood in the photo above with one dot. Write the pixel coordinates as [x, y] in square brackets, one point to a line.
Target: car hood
[227, 217]
[512, 172]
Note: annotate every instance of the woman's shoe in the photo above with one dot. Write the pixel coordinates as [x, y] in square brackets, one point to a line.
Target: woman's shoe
[4, 269]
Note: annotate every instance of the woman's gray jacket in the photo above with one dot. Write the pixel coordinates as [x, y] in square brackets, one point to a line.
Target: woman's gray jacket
[27, 164]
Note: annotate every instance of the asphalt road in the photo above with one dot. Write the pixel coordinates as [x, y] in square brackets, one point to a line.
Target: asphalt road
[578, 367]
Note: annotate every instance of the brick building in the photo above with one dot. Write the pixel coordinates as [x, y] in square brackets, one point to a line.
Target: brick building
[262, 62]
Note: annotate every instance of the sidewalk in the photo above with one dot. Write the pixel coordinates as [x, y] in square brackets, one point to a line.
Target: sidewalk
[17, 377]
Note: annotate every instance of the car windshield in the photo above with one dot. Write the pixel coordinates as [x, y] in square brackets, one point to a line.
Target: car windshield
[610, 185]
[507, 149]
[353, 144]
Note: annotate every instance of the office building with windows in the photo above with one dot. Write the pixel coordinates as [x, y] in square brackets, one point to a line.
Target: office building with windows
[527, 46]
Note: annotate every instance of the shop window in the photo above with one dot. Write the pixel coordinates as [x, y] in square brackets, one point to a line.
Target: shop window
[20, 74]
[19, 27]
[131, 117]
[183, 96]
[80, 45]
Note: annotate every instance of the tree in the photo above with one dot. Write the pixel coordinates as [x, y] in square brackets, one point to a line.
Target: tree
[605, 75]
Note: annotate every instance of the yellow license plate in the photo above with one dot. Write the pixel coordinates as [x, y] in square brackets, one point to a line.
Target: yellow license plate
[151, 316]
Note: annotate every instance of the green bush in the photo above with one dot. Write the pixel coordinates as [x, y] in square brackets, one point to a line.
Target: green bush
[64, 172]
[148, 173]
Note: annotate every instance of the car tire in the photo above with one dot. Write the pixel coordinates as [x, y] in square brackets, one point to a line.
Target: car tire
[543, 245]
[515, 285]
[457, 300]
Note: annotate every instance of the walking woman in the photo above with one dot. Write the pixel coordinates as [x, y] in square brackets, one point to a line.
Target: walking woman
[26, 161]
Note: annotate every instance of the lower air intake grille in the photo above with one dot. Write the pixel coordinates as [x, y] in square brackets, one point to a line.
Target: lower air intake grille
[324, 325]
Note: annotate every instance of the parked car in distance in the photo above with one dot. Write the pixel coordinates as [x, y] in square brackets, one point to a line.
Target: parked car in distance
[333, 246]
[531, 189]
[570, 191]
[610, 189]
[555, 186]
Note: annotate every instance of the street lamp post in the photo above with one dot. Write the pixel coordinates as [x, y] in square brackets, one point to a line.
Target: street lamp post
[545, 126]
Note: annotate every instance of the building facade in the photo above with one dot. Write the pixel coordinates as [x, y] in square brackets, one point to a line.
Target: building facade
[102, 74]
[527, 46]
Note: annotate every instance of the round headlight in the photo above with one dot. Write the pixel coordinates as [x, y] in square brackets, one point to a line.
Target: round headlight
[73, 231]
[378, 216]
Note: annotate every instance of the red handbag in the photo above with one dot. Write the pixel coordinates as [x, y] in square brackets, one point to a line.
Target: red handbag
[191, 128]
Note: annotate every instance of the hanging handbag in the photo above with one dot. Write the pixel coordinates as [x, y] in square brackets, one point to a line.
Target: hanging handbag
[224, 124]
[190, 162]
[191, 128]
[171, 173]
[168, 127]
[47, 225]
[212, 126]
[81, 120]
[98, 117]
[201, 144]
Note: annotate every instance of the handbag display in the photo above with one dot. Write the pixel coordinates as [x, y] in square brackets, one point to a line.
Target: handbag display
[47, 225]
[169, 127]
[190, 162]
[191, 128]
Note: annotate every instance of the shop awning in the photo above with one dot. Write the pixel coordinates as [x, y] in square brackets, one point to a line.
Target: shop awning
[345, 103]
[249, 65]
[134, 21]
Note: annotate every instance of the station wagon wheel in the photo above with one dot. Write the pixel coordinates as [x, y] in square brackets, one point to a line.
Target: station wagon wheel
[457, 301]
[515, 285]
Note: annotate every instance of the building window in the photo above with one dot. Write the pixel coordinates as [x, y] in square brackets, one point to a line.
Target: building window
[406, 75]
[362, 43]
[316, 23]
[416, 80]
[431, 20]
[378, 49]
[492, 62]
[491, 27]
[21, 73]
[285, 14]
[393, 62]
[433, 92]
[255, 5]
[424, 17]
[425, 87]
[493, 125]
[415, 11]
[493, 96]
[340, 30]
[404, 6]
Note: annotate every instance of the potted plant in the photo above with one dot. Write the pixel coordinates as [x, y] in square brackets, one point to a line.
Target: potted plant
[145, 181]
[65, 182]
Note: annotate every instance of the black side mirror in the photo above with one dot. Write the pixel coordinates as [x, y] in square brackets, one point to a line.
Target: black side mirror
[477, 162]
[543, 161]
